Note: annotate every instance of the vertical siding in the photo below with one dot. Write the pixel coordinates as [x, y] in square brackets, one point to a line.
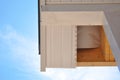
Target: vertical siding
[59, 46]
[43, 47]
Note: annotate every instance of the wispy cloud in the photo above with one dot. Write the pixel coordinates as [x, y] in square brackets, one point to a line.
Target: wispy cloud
[24, 53]
[84, 73]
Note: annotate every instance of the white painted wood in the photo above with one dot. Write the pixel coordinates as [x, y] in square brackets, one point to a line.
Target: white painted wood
[74, 46]
[48, 0]
[42, 2]
[116, 1]
[55, 1]
[59, 46]
[81, 1]
[43, 47]
[66, 0]
[106, 1]
[66, 41]
[73, 18]
[86, 1]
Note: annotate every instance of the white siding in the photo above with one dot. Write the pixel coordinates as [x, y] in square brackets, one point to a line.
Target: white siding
[43, 47]
[60, 46]
[73, 18]
[80, 1]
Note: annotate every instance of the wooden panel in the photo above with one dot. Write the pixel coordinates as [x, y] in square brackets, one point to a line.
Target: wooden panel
[102, 41]
[60, 46]
[107, 50]
[111, 56]
[106, 47]
[96, 64]
[90, 55]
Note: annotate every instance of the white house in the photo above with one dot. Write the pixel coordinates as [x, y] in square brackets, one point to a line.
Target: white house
[79, 33]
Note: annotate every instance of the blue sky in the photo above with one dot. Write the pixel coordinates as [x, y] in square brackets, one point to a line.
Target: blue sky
[19, 59]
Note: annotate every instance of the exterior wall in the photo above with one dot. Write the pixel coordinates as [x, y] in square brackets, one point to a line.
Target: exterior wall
[60, 46]
[48, 19]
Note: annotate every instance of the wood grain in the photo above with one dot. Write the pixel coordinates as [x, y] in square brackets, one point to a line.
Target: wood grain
[90, 55]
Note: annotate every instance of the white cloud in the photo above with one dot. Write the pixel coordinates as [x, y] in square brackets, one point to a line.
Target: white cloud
[25, 55]
[24, 51]
[84, 73]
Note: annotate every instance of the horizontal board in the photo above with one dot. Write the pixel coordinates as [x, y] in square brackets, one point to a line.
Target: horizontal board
[96, 64]
[73, 18]
[81, 1]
